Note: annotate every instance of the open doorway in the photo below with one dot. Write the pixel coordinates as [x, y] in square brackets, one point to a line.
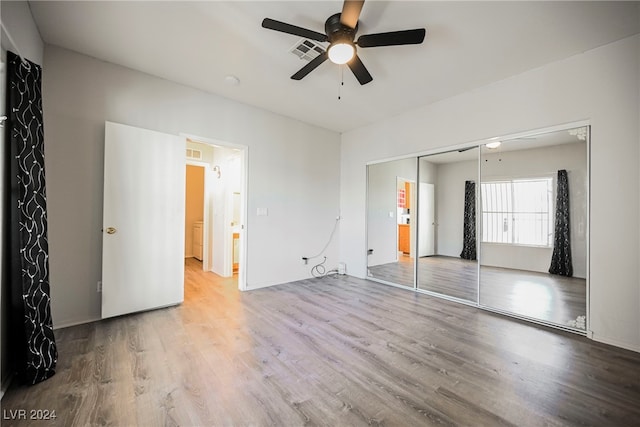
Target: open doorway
[194, 210]
[215, 200]
[405, 218]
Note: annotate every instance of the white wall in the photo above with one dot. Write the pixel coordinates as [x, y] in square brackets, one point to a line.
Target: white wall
[16, 18]
[221, 208]
[602, 86]
[533, 163]
[449, 195]
[21, 28]
[383, 208]
[293, 171]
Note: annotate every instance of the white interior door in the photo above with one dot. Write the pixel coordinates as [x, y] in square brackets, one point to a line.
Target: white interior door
[426, 221]
[143, 220]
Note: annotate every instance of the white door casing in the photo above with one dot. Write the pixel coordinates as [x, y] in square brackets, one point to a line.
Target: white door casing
[426, 221]
[143, 220]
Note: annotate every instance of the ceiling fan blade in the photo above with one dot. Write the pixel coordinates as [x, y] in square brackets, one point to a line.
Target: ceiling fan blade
[392, 38]
[312, 65]
[283, 27]
[351, 12]
[359, 70]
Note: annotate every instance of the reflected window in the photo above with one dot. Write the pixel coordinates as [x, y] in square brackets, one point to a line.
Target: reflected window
[518, 212]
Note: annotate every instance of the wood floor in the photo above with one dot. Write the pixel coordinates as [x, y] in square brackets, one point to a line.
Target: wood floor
[541, 296]
[336, 351]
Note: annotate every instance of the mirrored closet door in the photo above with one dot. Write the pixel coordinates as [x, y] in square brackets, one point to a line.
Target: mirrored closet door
[391, 221]
[533, 226]
[447, 258]
[502, 225]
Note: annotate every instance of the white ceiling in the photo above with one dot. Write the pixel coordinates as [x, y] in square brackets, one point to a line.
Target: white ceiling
[468, 45]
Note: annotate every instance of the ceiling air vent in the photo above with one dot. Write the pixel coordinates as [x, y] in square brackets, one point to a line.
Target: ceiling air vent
[194, 154]
[307, 49]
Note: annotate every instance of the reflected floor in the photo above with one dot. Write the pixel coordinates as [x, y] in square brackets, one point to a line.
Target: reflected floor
[547, 297]
[400, 273]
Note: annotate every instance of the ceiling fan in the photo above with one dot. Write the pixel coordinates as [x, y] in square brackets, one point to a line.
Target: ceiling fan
[340, 31]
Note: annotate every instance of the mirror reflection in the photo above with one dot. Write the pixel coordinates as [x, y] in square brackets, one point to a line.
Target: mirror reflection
[510, 235]
[391, 223]
[446, 224]
[533, 227]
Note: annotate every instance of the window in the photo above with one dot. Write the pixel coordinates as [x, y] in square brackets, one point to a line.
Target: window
[518, 212]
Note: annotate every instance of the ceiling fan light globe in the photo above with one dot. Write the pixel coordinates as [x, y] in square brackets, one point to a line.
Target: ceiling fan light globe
[341, 53]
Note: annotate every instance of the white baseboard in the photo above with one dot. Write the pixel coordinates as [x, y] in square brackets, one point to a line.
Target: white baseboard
[617, 343]
[74, 323]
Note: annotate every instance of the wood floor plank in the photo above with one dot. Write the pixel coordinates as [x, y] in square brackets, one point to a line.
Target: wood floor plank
[335, 351]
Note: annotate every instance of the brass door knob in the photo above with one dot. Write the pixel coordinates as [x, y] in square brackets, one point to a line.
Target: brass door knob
[111, 230]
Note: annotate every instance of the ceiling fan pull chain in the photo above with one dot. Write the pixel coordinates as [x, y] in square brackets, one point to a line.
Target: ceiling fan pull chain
[341, 68]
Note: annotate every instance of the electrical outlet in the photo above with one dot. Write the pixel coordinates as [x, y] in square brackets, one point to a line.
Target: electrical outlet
[99, 286]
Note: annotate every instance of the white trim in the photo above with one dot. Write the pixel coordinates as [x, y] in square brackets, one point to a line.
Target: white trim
[197, 163]
[588, 240]
[212, 141]
[533, 320]
[205, 214]
[545, 130]
[387, 283]
[75, 323]
[243, 262]
[392, 159]
[480, 142]
[615, 342]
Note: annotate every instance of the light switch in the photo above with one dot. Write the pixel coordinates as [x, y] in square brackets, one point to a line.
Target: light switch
[262, 212]
[390, 214]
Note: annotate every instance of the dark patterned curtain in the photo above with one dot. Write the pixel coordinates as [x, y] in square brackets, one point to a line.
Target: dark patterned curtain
[32, 342]
[561, 259]
[469, 237]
